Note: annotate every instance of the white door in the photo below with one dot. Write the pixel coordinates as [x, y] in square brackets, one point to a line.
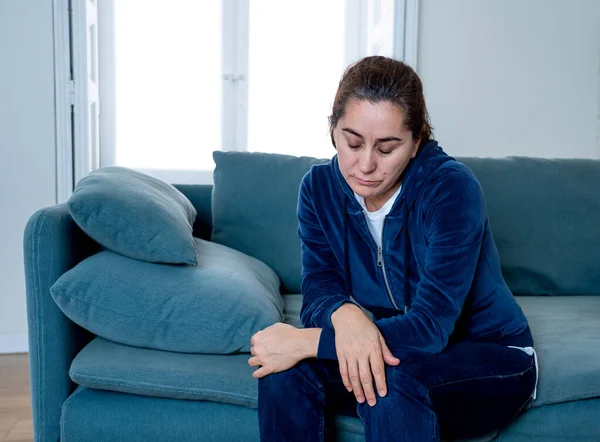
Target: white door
[86, 107]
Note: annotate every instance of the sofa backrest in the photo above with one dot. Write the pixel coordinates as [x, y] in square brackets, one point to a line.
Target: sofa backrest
[544, 215]
[200, 196]
[545, 219]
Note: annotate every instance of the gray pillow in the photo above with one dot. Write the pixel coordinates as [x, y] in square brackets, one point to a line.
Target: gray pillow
[135, 215]
[254, 203]
[214, 307]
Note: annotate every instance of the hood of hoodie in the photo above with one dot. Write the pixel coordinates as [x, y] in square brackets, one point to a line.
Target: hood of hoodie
[418, 171]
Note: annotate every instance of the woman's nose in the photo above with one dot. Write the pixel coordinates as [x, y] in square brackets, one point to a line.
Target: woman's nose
[366, 162]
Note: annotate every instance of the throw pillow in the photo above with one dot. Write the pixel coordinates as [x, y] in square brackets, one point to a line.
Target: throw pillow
[214, 307]
[254, 202]
[135, 215]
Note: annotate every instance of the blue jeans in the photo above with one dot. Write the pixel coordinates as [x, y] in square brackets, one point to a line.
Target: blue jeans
[468, 390]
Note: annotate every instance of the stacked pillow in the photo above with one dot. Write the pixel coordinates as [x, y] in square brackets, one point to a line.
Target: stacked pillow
[155, 285]
[135, 215]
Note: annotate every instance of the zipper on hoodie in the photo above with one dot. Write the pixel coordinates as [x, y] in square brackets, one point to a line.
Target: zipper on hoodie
[381, 264]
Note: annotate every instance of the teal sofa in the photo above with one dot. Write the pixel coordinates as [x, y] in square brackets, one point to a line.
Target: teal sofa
[545, 217]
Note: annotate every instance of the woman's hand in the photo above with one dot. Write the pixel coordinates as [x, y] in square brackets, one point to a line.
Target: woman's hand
[362, 353]
[281, 346]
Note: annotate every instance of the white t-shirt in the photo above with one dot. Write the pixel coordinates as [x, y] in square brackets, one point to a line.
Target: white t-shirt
[375, 219]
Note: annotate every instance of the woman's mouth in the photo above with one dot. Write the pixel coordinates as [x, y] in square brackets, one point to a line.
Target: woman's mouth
[366, 182]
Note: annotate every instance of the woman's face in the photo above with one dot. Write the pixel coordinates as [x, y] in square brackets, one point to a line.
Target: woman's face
[374, 147]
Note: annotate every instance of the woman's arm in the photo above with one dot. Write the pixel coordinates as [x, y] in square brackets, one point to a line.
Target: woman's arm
[323, 284]
[455, 225]
[356, 343]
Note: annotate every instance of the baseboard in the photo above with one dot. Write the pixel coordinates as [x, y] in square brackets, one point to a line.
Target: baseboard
[14, 344]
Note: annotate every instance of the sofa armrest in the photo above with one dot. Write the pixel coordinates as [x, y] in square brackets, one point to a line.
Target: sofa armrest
[52, 244]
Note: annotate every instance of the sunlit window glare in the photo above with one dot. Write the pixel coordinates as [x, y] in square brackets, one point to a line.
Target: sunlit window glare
[169, 80]
[168, 83]
[295, 63]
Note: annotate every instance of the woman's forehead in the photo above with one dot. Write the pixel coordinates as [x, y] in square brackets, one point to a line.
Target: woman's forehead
[366, 116]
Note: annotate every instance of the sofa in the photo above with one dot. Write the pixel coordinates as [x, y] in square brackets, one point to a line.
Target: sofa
[544, 215]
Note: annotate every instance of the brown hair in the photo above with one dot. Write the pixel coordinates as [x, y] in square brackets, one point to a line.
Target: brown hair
[377, 79]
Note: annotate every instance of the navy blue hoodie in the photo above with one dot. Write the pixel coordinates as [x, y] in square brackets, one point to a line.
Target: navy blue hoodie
[436, 279]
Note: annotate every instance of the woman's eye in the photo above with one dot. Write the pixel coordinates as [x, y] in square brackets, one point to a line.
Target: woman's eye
[385, 152]
[353, 147]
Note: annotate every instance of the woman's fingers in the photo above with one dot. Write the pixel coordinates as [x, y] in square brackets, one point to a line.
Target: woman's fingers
[388, 357]
[378, 370]
[344, 373]
[354, 376]
[366, 381]
[262, 372]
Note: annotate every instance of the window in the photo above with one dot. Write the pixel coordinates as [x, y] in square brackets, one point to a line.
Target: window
[193, 77]
[181, 79]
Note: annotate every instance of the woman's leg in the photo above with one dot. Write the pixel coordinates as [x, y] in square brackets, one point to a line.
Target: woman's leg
[468, 390]
[292, 404]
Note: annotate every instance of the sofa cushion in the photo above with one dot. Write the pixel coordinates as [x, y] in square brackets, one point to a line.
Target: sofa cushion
[544, 217]
[107, 365]
[135, 215]
[566, 333]
[90, 415]
[133, 418]
[292, 304]
[254, 203]
[214, 307]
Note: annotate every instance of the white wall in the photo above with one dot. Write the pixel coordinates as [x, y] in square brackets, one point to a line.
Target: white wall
[27, 148]
[512, 77]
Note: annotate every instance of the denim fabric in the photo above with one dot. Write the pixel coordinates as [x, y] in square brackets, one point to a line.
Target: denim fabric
[544, 214]
[438, 259]
[214, 307]
[565, 329]
[135, 215]
[53, 244]
[254, 208]
[466, 391]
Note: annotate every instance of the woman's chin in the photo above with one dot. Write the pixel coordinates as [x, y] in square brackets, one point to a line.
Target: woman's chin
[365, 193]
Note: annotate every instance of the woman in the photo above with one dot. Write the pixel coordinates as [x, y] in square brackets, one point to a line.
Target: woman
[408, 321]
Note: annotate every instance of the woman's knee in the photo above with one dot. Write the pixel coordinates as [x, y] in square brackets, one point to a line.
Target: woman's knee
[293, 380]
[401, 388]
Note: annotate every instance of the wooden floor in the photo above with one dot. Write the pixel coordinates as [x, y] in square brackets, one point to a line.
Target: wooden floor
[15, 403]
